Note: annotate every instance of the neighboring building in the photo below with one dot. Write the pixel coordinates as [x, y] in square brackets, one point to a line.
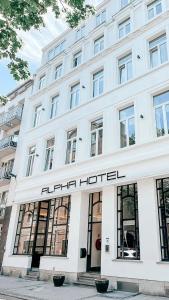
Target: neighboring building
[93, 171]
[10, 121]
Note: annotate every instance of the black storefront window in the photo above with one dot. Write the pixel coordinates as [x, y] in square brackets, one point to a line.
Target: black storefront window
[163, 212]
[127, 222]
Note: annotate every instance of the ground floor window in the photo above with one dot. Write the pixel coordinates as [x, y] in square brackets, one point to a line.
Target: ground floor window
[163, 212]
[127, 222]
[43, 228]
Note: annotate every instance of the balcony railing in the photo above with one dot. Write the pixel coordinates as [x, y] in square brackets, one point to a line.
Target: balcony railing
[8, 145]
[11, 118]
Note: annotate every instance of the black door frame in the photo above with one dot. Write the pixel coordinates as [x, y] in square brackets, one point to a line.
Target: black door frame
[90, 230]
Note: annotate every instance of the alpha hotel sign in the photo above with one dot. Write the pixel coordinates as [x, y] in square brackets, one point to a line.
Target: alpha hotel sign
[91, 180]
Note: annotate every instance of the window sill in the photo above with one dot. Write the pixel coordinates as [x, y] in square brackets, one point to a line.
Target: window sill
[161, 262]
[54, 257]
[127, 260]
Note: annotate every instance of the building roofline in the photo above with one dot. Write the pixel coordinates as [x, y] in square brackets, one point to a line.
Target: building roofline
[26, 83]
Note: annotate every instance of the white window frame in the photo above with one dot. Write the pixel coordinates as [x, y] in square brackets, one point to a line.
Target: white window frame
[49, 155]
[98, 81]
[126, 120]
[99, 45]
[157, 48]
[77, 59]
[163, 107]
[101, 18]
[37, 115]
[96, 132]
[71, 141]
[56, 51]
[30, 160]
[153, 8]
[123, 64]
[54, 106]
[122, 27]
[58, 71]
[75, 95]
[42, 80]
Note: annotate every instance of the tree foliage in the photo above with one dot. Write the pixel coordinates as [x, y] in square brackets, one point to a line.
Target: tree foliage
[24, 15]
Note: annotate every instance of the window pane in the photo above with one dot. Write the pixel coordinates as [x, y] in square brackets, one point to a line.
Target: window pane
[162, 98]
[159, 121]
[131, 129]
[100, 138]
[123, 136]
[163, 53]
[154, 58]
[167, 116]
[93, 144]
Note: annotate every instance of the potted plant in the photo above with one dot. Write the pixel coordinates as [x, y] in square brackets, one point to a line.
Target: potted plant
[58, 280]
[102, 285]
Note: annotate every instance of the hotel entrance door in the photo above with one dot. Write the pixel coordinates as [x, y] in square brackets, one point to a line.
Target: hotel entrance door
[94, 232]
[40, 233]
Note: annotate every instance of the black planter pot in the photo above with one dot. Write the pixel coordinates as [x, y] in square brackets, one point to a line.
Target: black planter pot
[58, 280]
[102, 285]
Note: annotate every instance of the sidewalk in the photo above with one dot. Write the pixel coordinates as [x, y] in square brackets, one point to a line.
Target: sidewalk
[40, 290]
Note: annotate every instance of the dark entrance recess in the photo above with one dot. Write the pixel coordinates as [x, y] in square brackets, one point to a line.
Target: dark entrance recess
[40, 234]
[94, 232]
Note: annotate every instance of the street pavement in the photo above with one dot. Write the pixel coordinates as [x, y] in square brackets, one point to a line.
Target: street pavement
[12, 288]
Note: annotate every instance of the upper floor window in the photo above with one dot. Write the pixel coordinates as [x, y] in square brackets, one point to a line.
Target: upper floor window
[125, 2]
[161, 106]
[31, 158]
[77, 59]
[42, 81]
[96, 137]
[54, 106]
[154, 9]
[38, 111]
[58, 71]
[71, 146]
[124, 28]
[125, 68]
[75, 96]
[98, 83]
[56, 50]
[3, 200]
[80, 33]
[99, 45]
[127, 126]
[6, 168]
[158, 51]
[49, 154]
[101, 18]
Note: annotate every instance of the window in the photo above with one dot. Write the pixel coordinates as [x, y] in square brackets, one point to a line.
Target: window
[163, 212]
[125, 68]
[158, 51]
[77, 59]
[31, 158]
[99, 45]
[154, 9]
[75, 96]
[58, 229]
[37, 115]
[124, 2]
[3, 200]
[71, 146]
[98, 83]
[127, 222]
[6, 169]
[58, 71]
[56, 51]
[124, 28]
[54, 106]
[101, 18]
[161, 107]
[96, 137]
[80, 33]
[49, 154]
[42, 82]
[127, 127]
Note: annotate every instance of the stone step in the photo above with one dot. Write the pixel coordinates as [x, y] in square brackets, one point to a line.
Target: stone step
[86, 283]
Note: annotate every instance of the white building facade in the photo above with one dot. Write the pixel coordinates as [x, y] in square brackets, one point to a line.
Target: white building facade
[92, 186]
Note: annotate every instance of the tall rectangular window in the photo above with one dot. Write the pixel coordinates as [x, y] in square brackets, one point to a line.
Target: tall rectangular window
[161, 107]
[37, 115]
[58, 71]
[77, 59]
[80, 33]
[101, 18]
[163, 213]
[31, 158]
[127, 126]
[98, 83]
[42, 82]
[96, 137]
[49, 154]
[124, 2]
[98, 45]
[75, 96]
[71, 146]
[54, 106]
[158, 51]
[124, 28]
[127, 222]
[125, 68]
[3, 200]
[154, 9]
